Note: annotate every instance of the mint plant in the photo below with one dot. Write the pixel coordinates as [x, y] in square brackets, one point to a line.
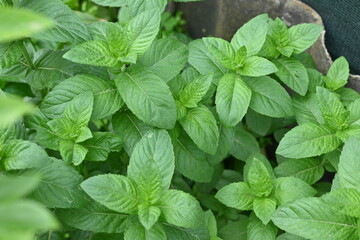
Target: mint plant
[114, 124]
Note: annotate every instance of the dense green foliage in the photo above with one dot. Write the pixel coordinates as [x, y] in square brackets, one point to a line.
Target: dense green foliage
[128, 129]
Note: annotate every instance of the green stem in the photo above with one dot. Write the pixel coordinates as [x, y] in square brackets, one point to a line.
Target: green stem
[26, 55]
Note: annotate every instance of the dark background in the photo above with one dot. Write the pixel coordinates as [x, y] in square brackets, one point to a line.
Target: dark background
[342, 25]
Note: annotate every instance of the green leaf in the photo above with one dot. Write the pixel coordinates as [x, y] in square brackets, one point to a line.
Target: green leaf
[156, 146]
[19, 154]
[115, 192]
[16, 187]
[142, 30]
[288, 189]
[10, 54]
[232, 99]
[303, 36]
[149, 183]
[72, 152]
[354, 112]
[96, 53]
[309, 170]
[308, 140]
[222, 51]
[256, 230]
[20, 23]
[190, 160]
[202, 60]
[338, 74]
[235, 230]
[257, 66]
[25, 217]
[244, 145]
[226, 139]
[101, 144]
[264, 208]
[93, 217]
[63, 183]
[107, 100]
[68, 26]
[288, 236]
[293, 73]
[135, 230]
[259, 179]
[138, 6]
[307, 109]
[148, 215]
[148, 97]
[332, 110]
[129, 128]
[193, 93]
[252, 35]
[181, 209]
[258, 123]
[236, 195]
[111, 3]
[258, 157]
[165, 57]
[201, 126]
[312, 219]
[12, 109]
[344, 200]
[269, 97]
[349, 165]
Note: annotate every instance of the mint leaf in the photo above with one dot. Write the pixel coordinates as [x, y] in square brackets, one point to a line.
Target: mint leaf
[101, 144]
[68, 26]
[288, 189]
[201, 126]
[259, 179]
[269, 97]
[293, 73]
[190, 160]
[344, 200]
[20, 23]
[244, 145]
[107, 100]
[72, 152]
[309, 170]
[349, 165]
[232, 99]
[308, 140]
[264, 208]
[193, 93]
[148, 215]
[203, 61]
[142, 30]
[115, 192]
[332, 110]
[338, 74]
[311, 218]
[303, 36]
[96, 53]
[154, 146]
[19, 154]
[148, 97]
[222, 51]
[10, 54]
[256, 230]
[236, 195]
[63, 183]
[135, 230]
[257, 66]
[165, 57]
[129, 128]
[93, 217]
[252, 35]
[181, 209]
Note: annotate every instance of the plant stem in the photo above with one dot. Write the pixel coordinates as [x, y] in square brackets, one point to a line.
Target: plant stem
[26, 55]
